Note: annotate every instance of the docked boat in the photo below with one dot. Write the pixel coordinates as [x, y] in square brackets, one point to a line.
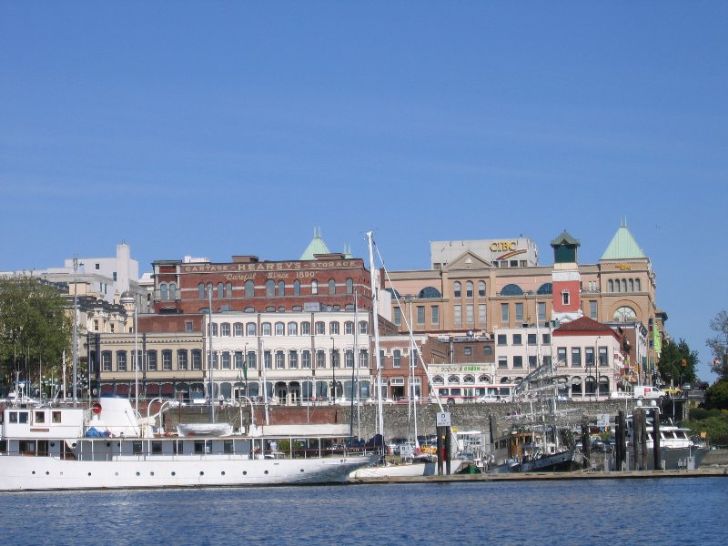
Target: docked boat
[677, 449]
[109, 446]
[528, 451]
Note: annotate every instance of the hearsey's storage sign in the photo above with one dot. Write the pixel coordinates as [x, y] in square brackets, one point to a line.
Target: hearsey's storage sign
[271, 266]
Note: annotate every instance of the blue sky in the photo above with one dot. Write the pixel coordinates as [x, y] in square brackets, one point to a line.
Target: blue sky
[221, 128]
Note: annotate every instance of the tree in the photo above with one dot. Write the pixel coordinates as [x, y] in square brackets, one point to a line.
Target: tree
[719, 344]
[716, 397]
[34, 328]
[677, 363]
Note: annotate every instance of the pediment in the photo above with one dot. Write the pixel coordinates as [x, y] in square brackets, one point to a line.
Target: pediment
[468, 260]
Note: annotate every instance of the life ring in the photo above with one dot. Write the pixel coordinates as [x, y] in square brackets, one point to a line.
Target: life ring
[96, 408]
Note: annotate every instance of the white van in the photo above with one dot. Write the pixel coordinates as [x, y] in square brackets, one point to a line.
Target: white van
[646, 392]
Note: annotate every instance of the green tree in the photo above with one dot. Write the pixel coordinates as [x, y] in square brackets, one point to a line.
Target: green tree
[677, 363]
[716, 397]
[34, 328]
[719, 344]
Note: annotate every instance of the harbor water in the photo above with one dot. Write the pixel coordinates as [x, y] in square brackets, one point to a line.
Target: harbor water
[646, 511]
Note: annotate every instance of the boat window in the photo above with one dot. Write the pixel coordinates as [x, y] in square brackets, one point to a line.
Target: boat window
[3, 446]
[156, 448]
[56, 416]
[22, 417]
[13, 417]
[199, 447]
[227, 446]
[40, 417]
[136, 448]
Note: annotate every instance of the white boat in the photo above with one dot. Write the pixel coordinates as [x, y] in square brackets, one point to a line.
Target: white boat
[677, 449]
[107, 446]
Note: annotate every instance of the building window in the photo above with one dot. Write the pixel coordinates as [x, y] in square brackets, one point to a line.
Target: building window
[363, 358]
[306, 359]
[518, 361]
[152, 361]
[280, 329]
[320, 327]
[106, 361]
[252, 360]
[335, 360]
[458, 315]
[467, 351]
[163, 294]
[396, 358]
[167, 360]
[420, 314]
[250, 328]
[541, 311]
[593, 309]
[435, 314]
[267, 360]
[314, 287]
[546, 339]
[280, 360]
[603, 356]
[532, 362]
[397, 316]
[532, 339]
[220, 291]
[519, 312]
[332, 287]
[469, 290]
[225, 329]
[469, 314]
[638, 285]
[456, 289]
[215, 361]
[589, 356]
[502, 339]
[265, 329]
[320, 359]
[505, 315]
[292, 328]
[576, 357]
[305, 328]
[196, 359]
[296, 287]
[565, 298]
[610, 285]
[482, 314]
[349, 286]
[363, 327]
[349, 358]
[349, 327]
[481, 289]
[334, 328]
[281, 288]
[270, 288]
[293, 359]
[249, 289]
[121, 361]
[502, 362]
[561, 356]
[517, 339]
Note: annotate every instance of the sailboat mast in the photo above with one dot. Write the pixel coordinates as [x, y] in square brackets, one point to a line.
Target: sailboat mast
[375, 326]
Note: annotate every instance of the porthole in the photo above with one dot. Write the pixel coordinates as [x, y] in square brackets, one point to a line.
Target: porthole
[245, 472]
[266, 472]
[53, 444]
[151, 473]
[33, 472]
[202, 473]
[89, 473]
[47, 473]
[116, 473]
[302, 468]
[138, 474]
[174, 473]
[222, 473]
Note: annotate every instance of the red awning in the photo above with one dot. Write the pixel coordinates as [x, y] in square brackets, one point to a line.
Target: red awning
[167, 389]
[122, 389]
[152, 389]
[107, 389]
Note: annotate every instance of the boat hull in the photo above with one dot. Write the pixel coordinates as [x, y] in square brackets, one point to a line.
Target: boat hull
[558, 462]
[19, 473]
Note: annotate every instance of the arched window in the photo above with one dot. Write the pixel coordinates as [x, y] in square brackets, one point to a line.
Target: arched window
[511, 290]
[469, 380]
[225, 329]
[208, 290]
[610, 285]
[220, 291]
[252, 362]
[637, 285]
[545, 288]
[306, 359]
[281, 288]
[484, 379]
[213, 329]
[296, 287]
[469, 289]
[201, 291]
[349, 286]
[293, 359]
[305, 328]
[429, 292]
[249, 289]
[333, 327]
[163, 293]
[292, 328]
[624, 285]
[332, 287]
[314, 287]
[250, 329]
[270, 288]
[438, 380]
[265, 329]
[348, 327]
[280, 329]
[481, 289]
[456, 289]
[280, 360]
[238, 329]
[631, 285]
[363, 327]
[453, 380]
[349, 358]
[320, 327]
[320, 358]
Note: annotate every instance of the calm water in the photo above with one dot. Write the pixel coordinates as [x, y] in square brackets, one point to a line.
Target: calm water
[656, 512]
